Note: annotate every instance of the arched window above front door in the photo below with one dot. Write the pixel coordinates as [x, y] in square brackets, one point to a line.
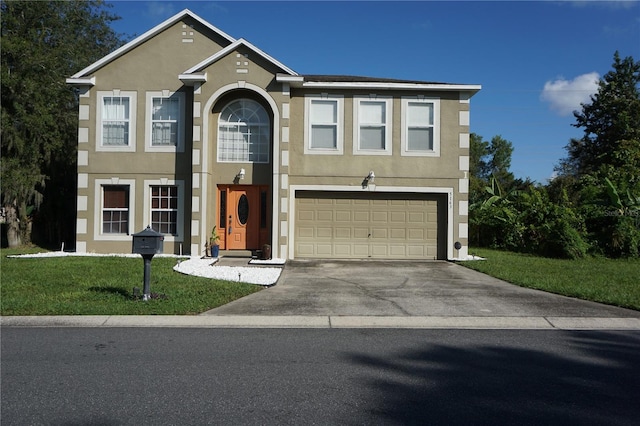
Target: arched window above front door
[244, 133]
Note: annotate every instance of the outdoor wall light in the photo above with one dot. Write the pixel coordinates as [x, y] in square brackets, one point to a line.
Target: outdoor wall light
[368, 179]
[240, 174]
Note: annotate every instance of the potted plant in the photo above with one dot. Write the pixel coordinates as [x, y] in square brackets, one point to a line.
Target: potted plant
[213, 243]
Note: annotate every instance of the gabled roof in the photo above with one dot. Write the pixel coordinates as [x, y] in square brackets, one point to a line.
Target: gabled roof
[80, 76]
[232, 47]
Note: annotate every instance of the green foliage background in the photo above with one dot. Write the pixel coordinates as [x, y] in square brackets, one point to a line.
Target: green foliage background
[592, 207]
[43, 43]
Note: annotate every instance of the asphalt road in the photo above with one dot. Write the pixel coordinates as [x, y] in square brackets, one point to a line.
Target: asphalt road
[178, 376]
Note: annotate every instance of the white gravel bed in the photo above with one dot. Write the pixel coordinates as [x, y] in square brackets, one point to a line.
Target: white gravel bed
[200, 267]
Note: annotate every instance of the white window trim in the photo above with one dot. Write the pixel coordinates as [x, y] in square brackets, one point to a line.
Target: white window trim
[131, 147]
[436, 127]
[98, 205]
[339, 150]
[179, 147]
[147, 206]
[388, 135]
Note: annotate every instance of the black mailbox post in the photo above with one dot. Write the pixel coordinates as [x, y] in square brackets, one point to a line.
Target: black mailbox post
[147, 243]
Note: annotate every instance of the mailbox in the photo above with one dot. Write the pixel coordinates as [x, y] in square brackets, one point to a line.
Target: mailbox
[148, 242]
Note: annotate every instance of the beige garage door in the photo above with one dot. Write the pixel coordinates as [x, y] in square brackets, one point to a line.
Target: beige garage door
[366, 225]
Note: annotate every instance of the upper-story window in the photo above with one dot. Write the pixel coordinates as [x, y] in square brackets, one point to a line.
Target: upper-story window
[421, 127]
[323, 130]
[116, 127]
[244, 133]
[372, 118]
[165, 121]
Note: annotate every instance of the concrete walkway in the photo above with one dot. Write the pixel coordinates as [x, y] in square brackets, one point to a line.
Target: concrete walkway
[380, 294]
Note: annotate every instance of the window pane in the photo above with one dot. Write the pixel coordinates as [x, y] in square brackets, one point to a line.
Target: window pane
[115, 108]
[324, 112]
[164, 209]
[164, 126]
[372, 112]
[420, 114]
[115, 211]
[324, 137]
[244, 129]
[164, 133]
[420, 139]
[116, 196]
[372, 138]
[115, 133]
[166, 108]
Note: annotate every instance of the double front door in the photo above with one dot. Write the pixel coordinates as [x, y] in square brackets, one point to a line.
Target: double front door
[243, 216]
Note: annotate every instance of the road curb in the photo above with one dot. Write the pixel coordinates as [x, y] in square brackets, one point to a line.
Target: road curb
[323, 321]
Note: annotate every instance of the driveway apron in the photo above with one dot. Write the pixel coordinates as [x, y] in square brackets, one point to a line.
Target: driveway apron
[405, 289]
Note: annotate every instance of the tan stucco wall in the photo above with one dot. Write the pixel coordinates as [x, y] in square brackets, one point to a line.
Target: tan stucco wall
[244, 73]
[151, 66]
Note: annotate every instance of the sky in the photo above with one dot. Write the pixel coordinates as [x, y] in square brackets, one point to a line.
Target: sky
[536, 61]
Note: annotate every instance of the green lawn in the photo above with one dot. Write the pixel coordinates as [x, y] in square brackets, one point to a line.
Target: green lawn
[611, 281]
[104, 286]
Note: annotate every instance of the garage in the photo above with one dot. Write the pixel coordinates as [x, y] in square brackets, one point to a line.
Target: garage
[350, 225]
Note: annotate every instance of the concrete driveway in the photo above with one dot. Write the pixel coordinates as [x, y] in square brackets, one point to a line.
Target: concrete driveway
[406, 289]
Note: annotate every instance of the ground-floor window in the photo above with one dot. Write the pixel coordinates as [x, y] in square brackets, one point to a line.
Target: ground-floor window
[164, 209]
[115, 209]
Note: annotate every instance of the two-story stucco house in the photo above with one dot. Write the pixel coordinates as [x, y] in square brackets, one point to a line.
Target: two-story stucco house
[186, 128]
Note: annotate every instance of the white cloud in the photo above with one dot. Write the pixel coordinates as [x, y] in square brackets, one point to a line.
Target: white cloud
[565, 96]
[163, 9]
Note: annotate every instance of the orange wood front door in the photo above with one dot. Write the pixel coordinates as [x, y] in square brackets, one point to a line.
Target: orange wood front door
[243, 218]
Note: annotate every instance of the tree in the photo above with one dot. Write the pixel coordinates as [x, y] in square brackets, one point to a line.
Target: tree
[606, 161]
[42, 43]
[489, 160]
[610, 146]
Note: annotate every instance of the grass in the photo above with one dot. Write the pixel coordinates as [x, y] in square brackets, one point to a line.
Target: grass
[104, 286]
[611, 281]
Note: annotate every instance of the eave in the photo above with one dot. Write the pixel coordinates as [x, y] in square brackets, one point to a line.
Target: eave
[81, 82]
[340, 82]
[192, 79]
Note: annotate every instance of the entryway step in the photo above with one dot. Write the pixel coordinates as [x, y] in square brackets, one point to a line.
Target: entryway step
[237, 253]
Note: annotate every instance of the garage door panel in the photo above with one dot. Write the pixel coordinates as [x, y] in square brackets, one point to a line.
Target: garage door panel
[397, 250]
[416, 234]
[379, 233]
[379, 250]
[416, 217]
[306, 249]
[361, 216]
[362, 225]
[398, 217]
[342, 250]
[361, 250]
[380, 217]
[306, 215]
[398, 233]
[324, 249]
[324, 215]
[306, 232]
[324, 231]
[360, 232]
[342, 233]
[416, 251]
